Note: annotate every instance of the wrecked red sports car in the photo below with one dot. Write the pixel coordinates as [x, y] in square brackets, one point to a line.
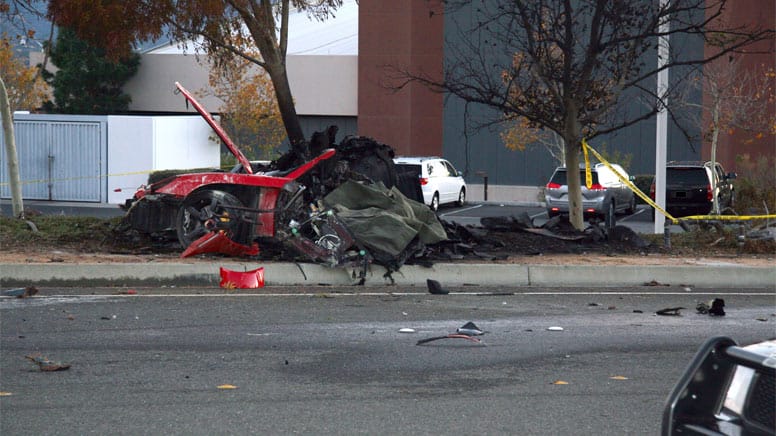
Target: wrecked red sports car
[236, 212]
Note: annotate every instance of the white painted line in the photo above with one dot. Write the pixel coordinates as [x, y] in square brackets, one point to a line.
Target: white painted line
[400, 294]
[461, 210]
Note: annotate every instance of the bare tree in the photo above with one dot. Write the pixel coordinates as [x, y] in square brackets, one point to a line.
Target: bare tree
[735, 99]
[566, 66]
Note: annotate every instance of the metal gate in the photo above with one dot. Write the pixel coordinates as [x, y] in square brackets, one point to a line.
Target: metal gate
[60, 159]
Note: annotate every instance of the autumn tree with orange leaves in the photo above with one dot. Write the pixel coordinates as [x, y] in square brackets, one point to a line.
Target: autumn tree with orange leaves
[222, 24]
[249, 112]
[26, 88]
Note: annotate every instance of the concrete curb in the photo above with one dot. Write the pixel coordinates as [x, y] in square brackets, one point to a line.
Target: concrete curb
[450, 274]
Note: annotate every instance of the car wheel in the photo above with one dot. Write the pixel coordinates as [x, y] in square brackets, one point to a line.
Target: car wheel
[609, 218]
[435, 202]
[461, 198]
[631, 206]
[210, 210]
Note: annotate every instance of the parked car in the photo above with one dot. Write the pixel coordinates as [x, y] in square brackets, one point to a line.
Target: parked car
[688, 188]
[440, 182]
[725, 390]
[606, 196]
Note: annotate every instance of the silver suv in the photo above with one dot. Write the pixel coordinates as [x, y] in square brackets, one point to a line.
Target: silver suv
[606, 196]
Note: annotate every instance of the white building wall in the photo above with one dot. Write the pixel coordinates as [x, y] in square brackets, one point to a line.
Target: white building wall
[321, 85]
[138, 145]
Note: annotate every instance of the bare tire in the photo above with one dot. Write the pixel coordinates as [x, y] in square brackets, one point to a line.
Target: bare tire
[434, 202]
[210, 210]
[461, 198]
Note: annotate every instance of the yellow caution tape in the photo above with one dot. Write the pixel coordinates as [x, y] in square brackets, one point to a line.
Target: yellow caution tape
[67, 179]
[588, 172]
[649, 201]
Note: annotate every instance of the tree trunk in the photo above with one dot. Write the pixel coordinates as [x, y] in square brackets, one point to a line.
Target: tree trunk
[572, 138]
[287, 109]
[574, 183]
[714, 138]
[17, 205]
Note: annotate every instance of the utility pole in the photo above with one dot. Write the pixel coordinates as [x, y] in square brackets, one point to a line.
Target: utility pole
[661, 131]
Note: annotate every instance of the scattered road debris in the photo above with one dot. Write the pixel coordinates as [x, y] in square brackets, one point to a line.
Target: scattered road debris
[29, 291]
[560, 382]
[47, 365]
[5, 394]
[618, 377]
[715, 307]
[226, 387]
[470, 329]
[242, 280]
[670, 311]
[655, 283]
[555, 329]
[435, 287]
[467, 332]
[406, 330]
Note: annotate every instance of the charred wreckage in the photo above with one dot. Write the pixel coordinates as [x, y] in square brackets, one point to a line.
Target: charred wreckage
[346, 204]
[343, 206]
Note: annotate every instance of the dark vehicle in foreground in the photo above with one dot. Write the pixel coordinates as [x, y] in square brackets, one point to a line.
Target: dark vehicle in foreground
[689, 188]
[726, 390]
[606, 196]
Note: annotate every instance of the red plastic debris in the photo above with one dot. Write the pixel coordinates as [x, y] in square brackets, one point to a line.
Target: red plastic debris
[242, 280]
[218, 242]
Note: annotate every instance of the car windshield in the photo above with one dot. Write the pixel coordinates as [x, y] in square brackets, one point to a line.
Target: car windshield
[686, 176]
[560, 177]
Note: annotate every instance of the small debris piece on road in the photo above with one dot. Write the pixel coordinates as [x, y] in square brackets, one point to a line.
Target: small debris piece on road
[555, 329]
[466, 331]
[655, 283]
[226, 387]
[435, 287]
[29, 291]
[470, 329]
[406, 330]
[670, 311]
[47, 365]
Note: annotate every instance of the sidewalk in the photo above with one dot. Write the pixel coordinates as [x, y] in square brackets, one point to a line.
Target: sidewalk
[702, 274]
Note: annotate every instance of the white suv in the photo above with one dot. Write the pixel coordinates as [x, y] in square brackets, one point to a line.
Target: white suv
[440, 182]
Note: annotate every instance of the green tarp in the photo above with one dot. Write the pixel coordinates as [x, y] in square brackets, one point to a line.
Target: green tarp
[384, 219]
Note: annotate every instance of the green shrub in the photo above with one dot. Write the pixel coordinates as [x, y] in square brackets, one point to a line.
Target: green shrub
[643, 182]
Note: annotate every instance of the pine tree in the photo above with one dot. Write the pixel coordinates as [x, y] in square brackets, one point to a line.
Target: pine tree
[88, 82]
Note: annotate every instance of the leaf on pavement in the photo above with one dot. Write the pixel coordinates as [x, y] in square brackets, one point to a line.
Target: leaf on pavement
[227, 387]
[560, 382]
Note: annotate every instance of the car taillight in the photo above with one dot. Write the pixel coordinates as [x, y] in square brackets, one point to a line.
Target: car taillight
[708, 193]
[596, 187]
[423, 181]
[553, 185]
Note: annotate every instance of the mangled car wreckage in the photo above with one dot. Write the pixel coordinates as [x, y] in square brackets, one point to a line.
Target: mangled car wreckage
[344, 205]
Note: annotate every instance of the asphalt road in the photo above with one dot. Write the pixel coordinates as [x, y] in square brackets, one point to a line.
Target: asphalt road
[325, 361]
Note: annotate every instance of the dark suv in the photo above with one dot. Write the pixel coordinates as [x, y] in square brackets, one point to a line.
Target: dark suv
[688, 188]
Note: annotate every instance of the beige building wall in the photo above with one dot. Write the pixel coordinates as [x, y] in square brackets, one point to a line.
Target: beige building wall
[321, 85]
